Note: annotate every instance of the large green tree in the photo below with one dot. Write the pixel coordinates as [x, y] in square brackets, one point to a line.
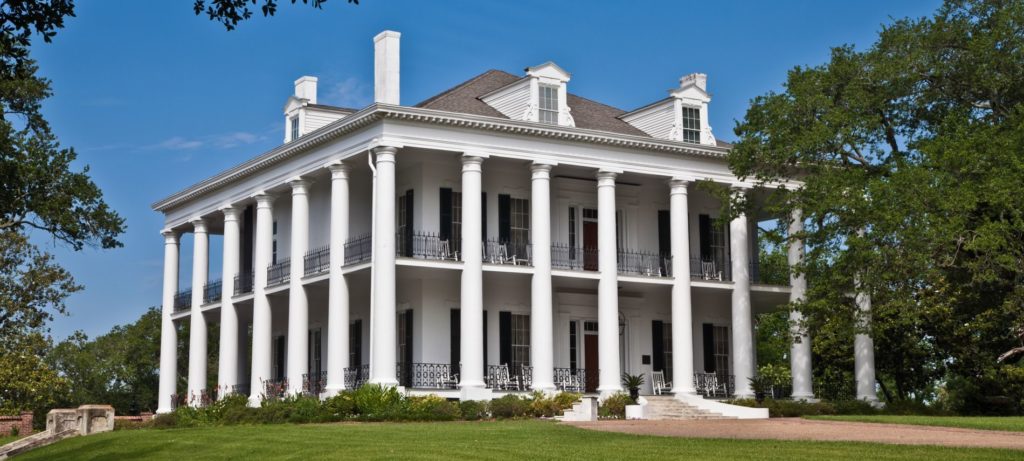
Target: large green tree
[910, 161]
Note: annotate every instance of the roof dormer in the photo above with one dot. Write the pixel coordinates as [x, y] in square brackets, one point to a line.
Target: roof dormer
[683, 116]
[540, 96]
[303, 115]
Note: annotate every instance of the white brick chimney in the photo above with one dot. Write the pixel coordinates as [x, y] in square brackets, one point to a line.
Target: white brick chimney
[305, 88]
[385, 67]
[698, 80]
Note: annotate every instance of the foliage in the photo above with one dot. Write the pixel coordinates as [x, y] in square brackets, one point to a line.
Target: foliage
[632, 381]
[474, 410]
[231, 12]
[546, 406]
[614, 406]
[991, 423]
[510, 406]
[433, 408]
[374, 401]
[26, 382]
[771, 332]
[909, 155]
[32, 286]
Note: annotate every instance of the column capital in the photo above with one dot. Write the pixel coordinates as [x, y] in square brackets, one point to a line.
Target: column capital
[678, 186]
[263, 200]
[541, 170]
[471, 162]
[299, 185]
[385, 153]
[170, 236]
[198, 225]
[606, 178]
[231, 213]
[339, 170]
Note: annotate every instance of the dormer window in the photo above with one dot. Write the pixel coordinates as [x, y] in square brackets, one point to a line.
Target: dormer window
[293, 124]
[548, 104]
[691, 124]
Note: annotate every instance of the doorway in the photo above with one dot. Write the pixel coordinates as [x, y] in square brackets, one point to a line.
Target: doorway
[589, 245]
[590, 362]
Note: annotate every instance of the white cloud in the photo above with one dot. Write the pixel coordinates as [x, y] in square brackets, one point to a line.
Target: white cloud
[350, 92]
[178, 143]
[216, 141]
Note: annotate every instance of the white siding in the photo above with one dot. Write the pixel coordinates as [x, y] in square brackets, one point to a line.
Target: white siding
[512, 101]
[656, 121]
[316, 119]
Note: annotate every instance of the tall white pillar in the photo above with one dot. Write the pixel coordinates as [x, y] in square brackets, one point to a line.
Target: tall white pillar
[607, 287]
[168, 334]
[541, 318]
[742, 324]
[471, 310]
[298, 304]
[384, 357]
[800, 349]
[197, 356]
[338, 303]
[682, 304]
[864, 351]
[227, 371]
[261, 315]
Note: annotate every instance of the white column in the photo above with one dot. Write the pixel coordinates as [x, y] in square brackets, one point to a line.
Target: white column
[864, 350]
[168, 334]
[384, 357]
[227, 371]
[541, 318]
[197, 356]
[261, 315]
[607, 288]
[799, 351]
[742, 325]
[337, 303]
[298, 305]
[682, 305]
[471, 308]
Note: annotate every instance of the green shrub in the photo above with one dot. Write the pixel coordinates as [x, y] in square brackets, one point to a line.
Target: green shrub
[853, 407]
[375, 402]
[543, 406]
[275, 411]
[165, 421]
[473, 410]
[432, 408]
[15, 431]
[788, 408]
[305, 409]
[565, 400]
[614, 406]
[240, 415]
[127, 425]
[340, 407]
[510, 406]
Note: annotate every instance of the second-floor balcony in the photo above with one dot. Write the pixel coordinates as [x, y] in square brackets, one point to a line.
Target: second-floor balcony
[211, 292]
[244, 282]
[425, 245]
[278, 273]
[182, 300]
[358, 249]
[317, 261]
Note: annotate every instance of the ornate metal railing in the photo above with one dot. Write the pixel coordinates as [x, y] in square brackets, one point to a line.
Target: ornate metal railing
[177, 400]
[424, 245]
[355, 377]
[575, 258]
[278, 273]
[211, 292]
[515, 253]
[275, 389]
[314, 383]
[570, 380]
[244, 282]
[644, 263]
[434, 376]
[358, 249]
[183, 301]
[317, 260]
[710, 269]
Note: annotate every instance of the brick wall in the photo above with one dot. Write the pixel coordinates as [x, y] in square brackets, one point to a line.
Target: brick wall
[145, 416]
[22, 422]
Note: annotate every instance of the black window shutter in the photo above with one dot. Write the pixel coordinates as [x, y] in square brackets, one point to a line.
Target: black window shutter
[446, 213]
[709, 348]
[705, 237]
[456, 339]
[657, 346]
[248, 237]
[408, 222]
[483, 215]
[485, 341]
[504, 218]
[665, 233]
[407, 366]
[355, 333]
[280, 357]
[504, 337]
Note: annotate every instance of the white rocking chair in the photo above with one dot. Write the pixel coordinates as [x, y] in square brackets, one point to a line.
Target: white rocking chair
[659, 384]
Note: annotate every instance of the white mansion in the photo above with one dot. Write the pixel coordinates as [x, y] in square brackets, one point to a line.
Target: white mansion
[503, 236]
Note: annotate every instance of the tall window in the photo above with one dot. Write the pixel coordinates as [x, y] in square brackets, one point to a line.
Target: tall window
[519, 226]
[572, 345]
[293, 125]
[691, 125]
[400, 225]
[722, 351]
[520, 341]
[719, 244]
[273, 245]
[548, 112]
[572, 232]
[456, 237]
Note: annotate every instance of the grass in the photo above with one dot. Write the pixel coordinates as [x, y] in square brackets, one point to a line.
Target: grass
[995, 423]
[528, 439]
[5, 439]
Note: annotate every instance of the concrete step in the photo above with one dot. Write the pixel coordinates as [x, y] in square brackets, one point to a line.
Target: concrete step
[664, 407]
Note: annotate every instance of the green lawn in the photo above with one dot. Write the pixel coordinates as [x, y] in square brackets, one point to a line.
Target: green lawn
[5, 439]
[461, 440]
[995, 423]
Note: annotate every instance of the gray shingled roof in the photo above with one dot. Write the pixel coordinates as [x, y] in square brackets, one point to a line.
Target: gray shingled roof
[465, 98]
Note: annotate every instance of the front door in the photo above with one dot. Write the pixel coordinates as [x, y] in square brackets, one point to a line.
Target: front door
[590, 245]
[590, 361]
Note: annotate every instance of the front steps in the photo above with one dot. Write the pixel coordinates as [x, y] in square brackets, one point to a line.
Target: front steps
[666, 407]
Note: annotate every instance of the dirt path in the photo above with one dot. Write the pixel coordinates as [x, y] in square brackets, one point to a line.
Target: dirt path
[803, 429]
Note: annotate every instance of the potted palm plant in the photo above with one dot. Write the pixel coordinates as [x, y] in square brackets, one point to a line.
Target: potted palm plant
[633, 383]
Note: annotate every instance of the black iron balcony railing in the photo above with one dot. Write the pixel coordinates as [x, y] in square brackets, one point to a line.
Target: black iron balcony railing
[355, 377]
[317, 261]
[182, 300]
[644, 263]
[424, 245]
[508, 252]
[244, 282]
[570, 380]
[434, 376]
[714, 269]
[278, 273]
[358, 249]
[275, 389]
[572, 257]
[314, 383]
[211, 292]
[714, 384]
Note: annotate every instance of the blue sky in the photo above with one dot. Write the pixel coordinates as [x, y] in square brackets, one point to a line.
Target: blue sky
[154, 98]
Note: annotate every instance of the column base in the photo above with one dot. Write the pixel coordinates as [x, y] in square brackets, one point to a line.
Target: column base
[255, 401]
[475, 393]
[331, 391]
[548, 389]
[744, 396]
[163, 411]
[809, 398]
[384, 382]
[683, 391]
[606, 392]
